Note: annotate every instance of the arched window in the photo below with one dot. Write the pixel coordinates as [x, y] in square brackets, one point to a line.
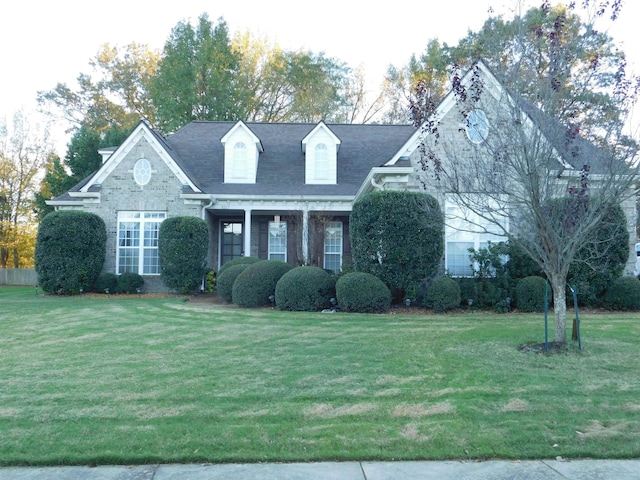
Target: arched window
[239, 168]
[321, 162]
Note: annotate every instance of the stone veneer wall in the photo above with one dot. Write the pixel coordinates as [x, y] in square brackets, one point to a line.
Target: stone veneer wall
[120, 192]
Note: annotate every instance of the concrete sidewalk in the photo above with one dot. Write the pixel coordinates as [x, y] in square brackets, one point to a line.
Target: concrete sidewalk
[450, 470]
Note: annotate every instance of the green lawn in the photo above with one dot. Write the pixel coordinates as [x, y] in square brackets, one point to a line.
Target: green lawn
[133, 380]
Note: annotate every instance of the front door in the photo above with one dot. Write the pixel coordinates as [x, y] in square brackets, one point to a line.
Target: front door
[231, 241]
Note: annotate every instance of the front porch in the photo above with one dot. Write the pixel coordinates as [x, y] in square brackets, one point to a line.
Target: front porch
[298, 236]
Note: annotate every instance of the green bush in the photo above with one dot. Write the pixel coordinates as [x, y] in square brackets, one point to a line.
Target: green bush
[530, 294]
[362, 292]
[106, 281]
[443, 295]
[226, 278]
[305, 289]
[129, 282]
[182, 247]
[254, 285]
[398, 236]
[238, 261]
[624, 294]
[70, 251]
[210, 281]
[601, 259]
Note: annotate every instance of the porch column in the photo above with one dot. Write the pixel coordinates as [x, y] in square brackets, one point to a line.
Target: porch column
[305, 234]
[247, 232]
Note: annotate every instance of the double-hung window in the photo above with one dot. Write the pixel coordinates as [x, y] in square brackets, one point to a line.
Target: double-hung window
[333, 246]
[278, 240]
[138, 242]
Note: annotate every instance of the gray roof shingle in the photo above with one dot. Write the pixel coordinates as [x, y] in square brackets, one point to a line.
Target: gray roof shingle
[198, 150]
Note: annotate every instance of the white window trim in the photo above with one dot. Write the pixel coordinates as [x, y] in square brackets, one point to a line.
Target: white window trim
[142, 218]
[329, 225]
[272, 254]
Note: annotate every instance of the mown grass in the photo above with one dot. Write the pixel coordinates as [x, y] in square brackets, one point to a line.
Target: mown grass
[135, 380]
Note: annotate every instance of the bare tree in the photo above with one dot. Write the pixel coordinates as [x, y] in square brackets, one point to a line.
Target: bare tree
[520, 169]
[24, 148]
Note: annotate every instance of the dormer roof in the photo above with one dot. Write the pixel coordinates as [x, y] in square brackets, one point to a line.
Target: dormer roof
[321, 127]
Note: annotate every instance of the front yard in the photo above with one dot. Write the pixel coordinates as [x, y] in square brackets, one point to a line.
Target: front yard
[87, 380]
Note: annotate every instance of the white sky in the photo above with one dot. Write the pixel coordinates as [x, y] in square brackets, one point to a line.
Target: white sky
[43, 42]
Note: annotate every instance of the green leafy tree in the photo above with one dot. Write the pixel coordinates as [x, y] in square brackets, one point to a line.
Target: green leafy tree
[397, 236]
[116, 93]
[277, 85]
[197, 76]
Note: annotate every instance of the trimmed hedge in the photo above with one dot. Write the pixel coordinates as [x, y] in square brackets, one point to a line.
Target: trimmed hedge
[254, 285]
[398, 236]
[624, 294]
[239, 261]
[226, 279]
[106, 281]
[70, 251]
[182, 246]
[362, 292]
[128, 282]
[307, 289]
[530, 294]
[443, 295]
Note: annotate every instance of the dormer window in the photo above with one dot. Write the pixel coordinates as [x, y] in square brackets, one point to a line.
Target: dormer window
[320, 147]
[239, 165]
[241, 154]
[321, 162]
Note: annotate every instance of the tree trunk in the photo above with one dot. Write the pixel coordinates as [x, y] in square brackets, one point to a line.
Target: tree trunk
[559, 287]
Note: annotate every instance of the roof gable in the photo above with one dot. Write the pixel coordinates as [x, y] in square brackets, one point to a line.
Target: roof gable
[142, 131]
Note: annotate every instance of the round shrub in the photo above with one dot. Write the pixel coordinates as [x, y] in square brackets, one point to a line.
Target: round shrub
[182, 247]
[362, 292]
[106, 281]
[443, 295]
[254, 285]
[238, 261]
[129, 282]
[305, 289]
[624, 294]
[226, 278]
[70, 251]
[530, 294]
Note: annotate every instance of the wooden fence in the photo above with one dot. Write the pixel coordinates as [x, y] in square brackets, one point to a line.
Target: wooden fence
[18, 276]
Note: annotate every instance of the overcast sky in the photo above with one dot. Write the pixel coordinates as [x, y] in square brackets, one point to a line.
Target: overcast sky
[43, 42]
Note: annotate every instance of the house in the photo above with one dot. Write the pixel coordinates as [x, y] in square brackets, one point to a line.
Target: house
[275, 191]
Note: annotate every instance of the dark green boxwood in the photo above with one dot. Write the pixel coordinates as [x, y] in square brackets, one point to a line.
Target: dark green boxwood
[442, 295]
[307, 289]
[238, 261]
[70, 251]
[362, 292]
[226, 278]
[530, 294]
[254, 285]
[182, 247]
[624, 294]
[129, 282]
[106, 283]
[398, 236]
